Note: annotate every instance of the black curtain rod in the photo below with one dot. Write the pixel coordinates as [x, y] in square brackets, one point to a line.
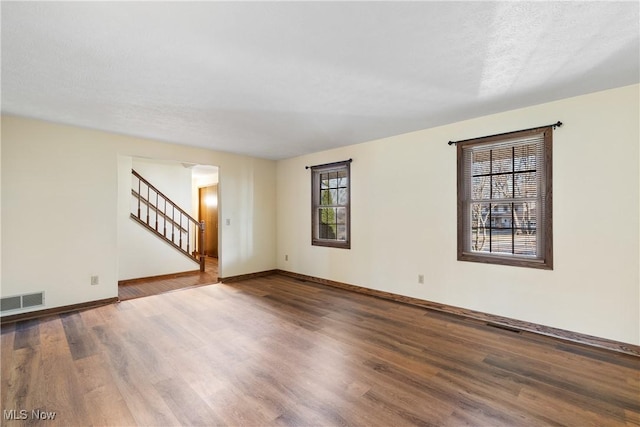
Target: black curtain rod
[555, 125]
[328, 164]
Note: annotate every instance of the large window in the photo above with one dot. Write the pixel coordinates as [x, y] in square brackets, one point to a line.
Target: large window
[331, 205]
[505, 199]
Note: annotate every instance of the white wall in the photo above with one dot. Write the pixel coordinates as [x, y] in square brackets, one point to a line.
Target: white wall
[172, 178]
[140, 252]
[404, 219]
[60, 204]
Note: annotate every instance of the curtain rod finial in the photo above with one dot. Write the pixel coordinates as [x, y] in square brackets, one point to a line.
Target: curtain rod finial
[451, 142]
[557, 125]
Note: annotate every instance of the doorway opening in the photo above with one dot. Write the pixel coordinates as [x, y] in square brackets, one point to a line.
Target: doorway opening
[206, 204]
[147, 264]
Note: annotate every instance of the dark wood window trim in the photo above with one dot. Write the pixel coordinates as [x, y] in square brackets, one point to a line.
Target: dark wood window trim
[543, 259]
[340, 209]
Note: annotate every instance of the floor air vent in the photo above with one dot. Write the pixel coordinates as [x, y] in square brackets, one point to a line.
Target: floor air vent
[503, 327]
[21, 301]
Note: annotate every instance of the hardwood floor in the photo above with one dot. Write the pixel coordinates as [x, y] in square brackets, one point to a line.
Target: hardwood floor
[279, 351]
[154, 286]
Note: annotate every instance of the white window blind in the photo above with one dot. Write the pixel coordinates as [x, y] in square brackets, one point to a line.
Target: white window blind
[504, 198]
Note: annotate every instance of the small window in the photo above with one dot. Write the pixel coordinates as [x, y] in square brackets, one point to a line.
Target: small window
[505, 199]
[331, 216]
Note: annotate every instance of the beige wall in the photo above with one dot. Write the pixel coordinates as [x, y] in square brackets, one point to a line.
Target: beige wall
[59, 208]
[404, 219]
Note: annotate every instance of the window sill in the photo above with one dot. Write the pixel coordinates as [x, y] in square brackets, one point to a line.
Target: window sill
[332, 243]
[513, 261]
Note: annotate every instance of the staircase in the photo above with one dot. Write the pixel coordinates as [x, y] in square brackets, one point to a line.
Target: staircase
[161, 216]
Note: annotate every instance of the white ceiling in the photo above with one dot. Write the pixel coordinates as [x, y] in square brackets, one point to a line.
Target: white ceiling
[280, 79]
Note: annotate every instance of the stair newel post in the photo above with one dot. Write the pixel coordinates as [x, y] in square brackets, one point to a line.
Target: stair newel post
[201, 246]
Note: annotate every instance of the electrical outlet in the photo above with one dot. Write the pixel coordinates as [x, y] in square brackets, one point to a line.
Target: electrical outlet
[95, 280]
[286, 257]
[421, 278]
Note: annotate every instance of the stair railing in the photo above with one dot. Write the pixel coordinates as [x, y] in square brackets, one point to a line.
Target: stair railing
[166, 219]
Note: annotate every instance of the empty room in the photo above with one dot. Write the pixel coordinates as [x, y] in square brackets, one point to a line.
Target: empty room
[320, 213]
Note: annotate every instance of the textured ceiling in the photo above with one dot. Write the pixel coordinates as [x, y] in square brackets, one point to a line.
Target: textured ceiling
[280, 79]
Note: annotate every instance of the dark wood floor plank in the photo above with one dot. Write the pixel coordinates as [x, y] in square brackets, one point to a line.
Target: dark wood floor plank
[280, 351]
[23, 378]
[59, 387]
[7, 335]
[27, 334]
[78, 337]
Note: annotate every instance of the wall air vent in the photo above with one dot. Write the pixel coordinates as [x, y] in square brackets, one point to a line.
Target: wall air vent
[21, 301]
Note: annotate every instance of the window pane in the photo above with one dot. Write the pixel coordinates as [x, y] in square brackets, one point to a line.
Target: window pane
[325, 215]
[501, 215]
[480, 163]
[342, 232]
[342, 178]
[342, 196]
[325, 197]
[501, 186]
[327, 231]
[324, 180]
[525, 216]
[480, 239]
[333, 180]
[480, 188]
[479, 227]
[526, 184]
[525, 157]
[501, 241]
[525, 242]
[502, 160]
[341, 215]
[327, 226]
[333, 197]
